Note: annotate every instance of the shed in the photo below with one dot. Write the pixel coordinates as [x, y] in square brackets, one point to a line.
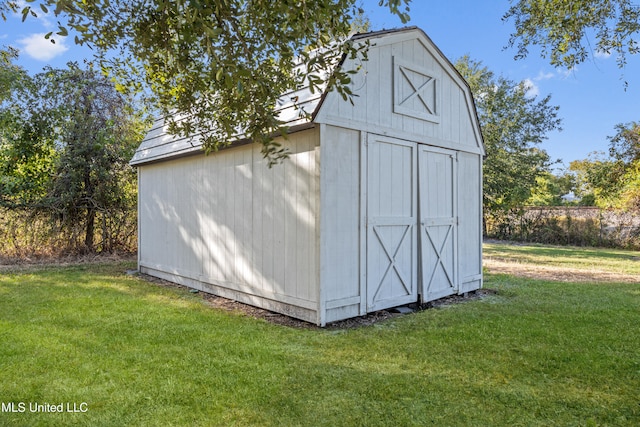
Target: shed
[378, 205]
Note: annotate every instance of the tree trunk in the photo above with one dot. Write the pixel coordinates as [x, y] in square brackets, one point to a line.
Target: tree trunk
[88, 237]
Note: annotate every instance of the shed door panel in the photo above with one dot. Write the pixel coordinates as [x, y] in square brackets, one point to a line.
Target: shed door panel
[391, 223]
[438, 222]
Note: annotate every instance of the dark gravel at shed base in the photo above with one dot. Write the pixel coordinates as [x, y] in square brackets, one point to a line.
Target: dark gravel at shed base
[281, 319]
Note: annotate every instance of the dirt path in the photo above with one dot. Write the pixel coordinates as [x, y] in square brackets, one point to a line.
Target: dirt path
[560, 274]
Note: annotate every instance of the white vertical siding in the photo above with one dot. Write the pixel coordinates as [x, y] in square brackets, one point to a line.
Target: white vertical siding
[166, 216]
[229, 220]
[470, 221]
[340, 219]
[380, 79]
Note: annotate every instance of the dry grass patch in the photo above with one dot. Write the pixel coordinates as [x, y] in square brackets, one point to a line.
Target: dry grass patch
[561, 263]
[555, 273]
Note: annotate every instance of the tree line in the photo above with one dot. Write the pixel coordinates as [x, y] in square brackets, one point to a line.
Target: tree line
[519, 174]
[66, 135]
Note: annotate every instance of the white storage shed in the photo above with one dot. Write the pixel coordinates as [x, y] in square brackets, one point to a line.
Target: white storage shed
[378, 205]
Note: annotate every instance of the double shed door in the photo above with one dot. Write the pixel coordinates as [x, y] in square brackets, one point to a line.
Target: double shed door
[411, 222]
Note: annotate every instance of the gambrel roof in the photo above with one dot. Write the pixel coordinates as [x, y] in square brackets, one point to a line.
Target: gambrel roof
[159, 145]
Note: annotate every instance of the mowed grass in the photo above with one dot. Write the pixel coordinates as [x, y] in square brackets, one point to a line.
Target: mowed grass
[535, 353]
[605, 259]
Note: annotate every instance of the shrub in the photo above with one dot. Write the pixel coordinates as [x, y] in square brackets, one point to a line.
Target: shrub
[32, 234]
[577, 226]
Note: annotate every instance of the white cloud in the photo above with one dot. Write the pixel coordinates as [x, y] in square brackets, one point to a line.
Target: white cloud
[532, 90]
[37, 47]
[43, 18]
[559, 73]
[543, 76]
[565, 73]
[601, 54]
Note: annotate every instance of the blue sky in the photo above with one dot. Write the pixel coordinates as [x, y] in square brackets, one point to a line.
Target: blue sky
[592, 97]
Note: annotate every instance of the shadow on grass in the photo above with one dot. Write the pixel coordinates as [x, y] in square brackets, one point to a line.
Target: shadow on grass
[535, 353]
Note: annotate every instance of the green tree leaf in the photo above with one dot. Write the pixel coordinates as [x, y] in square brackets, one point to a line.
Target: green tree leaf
[174, 51]
[563, 29]
[513, 124]
[66, 137]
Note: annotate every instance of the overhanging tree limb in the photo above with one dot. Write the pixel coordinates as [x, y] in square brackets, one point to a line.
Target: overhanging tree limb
[219, 65]
[562, 29]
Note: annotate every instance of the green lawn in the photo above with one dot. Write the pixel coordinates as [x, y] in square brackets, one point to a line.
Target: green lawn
[611, 260]
[534, 354]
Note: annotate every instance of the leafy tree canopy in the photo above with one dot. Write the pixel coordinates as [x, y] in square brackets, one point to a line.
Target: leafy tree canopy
[99, 129]
[12, 77]
[26, 155]
[600, 177]
[613, 181]
[65, 141]
[624, 148]
[216, 68]
[513, 124]
[550, 188]
[563, 29]
[625, 145]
